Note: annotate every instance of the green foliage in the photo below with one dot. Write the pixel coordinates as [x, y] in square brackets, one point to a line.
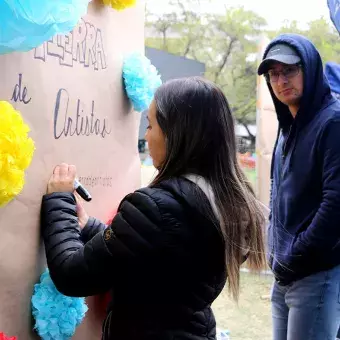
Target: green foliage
[227, 43]
[323, 35]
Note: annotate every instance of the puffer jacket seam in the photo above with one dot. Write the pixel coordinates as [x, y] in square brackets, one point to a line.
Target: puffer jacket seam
[154, 199]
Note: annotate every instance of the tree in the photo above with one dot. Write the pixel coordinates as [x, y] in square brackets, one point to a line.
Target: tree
[174, 31]
[226, 43]
[323, 35]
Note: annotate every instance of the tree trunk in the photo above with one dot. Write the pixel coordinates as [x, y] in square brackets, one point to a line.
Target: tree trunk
[251, 137]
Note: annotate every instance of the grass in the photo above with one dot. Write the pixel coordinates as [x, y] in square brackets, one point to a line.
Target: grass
[251, 318]
[251, 174]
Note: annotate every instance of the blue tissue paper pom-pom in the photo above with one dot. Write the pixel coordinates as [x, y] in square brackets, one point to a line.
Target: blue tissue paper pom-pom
[26, 24]
[56, 315]
[141, 80]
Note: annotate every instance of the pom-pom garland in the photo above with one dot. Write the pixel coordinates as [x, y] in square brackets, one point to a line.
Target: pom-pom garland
[27, 24]
[16, 152]
[56, 315]
[141, 80]
[120, 4]
[3, 336]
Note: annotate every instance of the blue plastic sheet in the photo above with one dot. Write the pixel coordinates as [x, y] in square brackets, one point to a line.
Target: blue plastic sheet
[26, 24]
[334, 9]
[222, 334]
[332, 72]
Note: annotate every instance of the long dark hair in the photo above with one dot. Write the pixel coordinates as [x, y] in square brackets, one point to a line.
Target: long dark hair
[196, 120]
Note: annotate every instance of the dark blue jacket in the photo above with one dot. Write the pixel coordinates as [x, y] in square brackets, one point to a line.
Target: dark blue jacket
[304, 229]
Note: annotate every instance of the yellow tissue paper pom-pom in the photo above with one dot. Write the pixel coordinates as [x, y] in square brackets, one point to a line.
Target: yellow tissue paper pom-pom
[16, 152]
[120, 4]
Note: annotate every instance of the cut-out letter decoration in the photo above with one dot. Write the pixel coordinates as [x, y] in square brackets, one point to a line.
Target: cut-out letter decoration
[16, 152]
[141, 80]
[27, 24]
[56, 315]
[120, 5]
[3, 336]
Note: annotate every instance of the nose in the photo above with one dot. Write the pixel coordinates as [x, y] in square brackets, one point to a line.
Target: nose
[282, 80]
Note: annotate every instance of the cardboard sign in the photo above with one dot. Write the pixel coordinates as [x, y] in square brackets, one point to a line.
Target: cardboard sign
[266, 132]
[70, 92]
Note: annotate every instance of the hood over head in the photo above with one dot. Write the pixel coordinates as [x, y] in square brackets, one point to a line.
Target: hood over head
[315, 84]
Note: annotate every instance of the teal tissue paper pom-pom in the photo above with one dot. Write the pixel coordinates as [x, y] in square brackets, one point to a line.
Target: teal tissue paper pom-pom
[26, 24]
[141, 80]
[56, 315]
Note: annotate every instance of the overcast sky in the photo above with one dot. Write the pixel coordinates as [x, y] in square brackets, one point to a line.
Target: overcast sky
[274, 11]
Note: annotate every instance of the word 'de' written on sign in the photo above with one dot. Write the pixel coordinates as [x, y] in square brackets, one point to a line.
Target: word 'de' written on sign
[71, 116]
[83, 121]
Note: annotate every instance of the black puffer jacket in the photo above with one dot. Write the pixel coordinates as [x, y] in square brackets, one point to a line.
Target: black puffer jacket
[162, 258]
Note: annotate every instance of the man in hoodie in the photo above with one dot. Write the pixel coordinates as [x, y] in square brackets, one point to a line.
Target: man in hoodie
[304, 230]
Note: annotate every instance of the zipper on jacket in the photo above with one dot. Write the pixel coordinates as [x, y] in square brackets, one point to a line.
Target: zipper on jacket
[282, 160]
[274, 210]
[284, 149]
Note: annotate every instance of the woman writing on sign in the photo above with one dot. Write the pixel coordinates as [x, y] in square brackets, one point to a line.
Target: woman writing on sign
[171, 247]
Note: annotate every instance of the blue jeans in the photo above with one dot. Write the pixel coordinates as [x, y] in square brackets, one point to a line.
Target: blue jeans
[308, 309]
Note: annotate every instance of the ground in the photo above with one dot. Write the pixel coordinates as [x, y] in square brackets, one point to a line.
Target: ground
[250, 319]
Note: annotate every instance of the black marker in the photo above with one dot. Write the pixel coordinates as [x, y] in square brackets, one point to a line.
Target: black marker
[82, 192]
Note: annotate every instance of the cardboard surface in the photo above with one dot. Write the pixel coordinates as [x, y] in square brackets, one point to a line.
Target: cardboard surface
[266, 133]
[70, 93]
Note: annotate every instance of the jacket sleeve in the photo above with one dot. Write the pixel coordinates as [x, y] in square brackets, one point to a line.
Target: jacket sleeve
[92, 228]
[324, 231]
[79, 269]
